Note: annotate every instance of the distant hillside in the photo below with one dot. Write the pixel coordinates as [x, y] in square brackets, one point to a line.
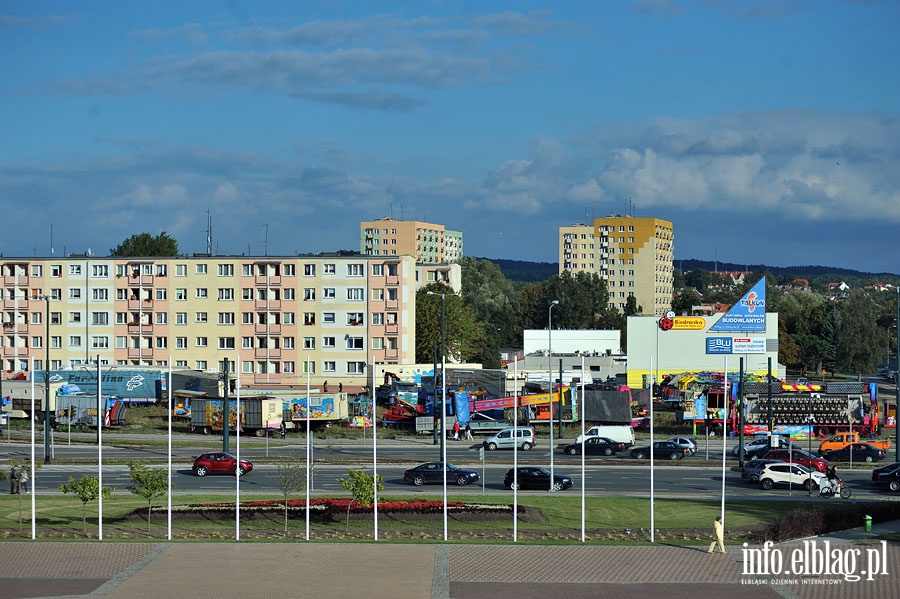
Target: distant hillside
[535, 272]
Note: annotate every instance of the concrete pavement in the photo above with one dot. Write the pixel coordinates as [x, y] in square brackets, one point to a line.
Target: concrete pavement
[436, 571]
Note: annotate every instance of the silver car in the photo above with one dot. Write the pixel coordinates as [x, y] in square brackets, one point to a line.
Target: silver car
[505, 439]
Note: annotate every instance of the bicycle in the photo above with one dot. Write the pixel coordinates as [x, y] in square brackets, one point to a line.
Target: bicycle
[835, 488]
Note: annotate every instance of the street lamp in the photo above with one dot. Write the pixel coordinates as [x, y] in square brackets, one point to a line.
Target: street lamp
[550, 380]
[443, 297]
[46, 299]
[811, 421]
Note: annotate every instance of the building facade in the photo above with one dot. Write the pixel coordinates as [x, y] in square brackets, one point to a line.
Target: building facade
[279, 318]
[633, 255]
[428, 243]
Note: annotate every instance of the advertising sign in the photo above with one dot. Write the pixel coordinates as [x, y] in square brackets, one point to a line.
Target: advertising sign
[746, 316]
[735, 345]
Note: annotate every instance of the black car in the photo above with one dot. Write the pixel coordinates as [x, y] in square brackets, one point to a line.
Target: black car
[595, 446]
[752, 469]
[433, 473]
[664, 450]
[862, 452]
[536, 477]
[888, 476]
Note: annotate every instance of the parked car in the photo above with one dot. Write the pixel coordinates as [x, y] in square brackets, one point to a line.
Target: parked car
[524, 439]
[537, 477]
[665, 450]
[888, 476]
[219, 462]
[595, 446]
[785, 474]
[861, 452]
[433, 473]
[797, 456]
[751, 470]
[687, 442]
[756, 447]
[802, 380]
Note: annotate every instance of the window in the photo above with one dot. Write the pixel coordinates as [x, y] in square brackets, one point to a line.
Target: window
[74, 340]
[161, 294]
[56, 318]
[37, 270]
[309, 270]
[354, 342]
[56, 271]
[327, 341]
[161, 270]
[226, 342]
[226, 270]
[378, 295]
[99, 318]
[328, 366]
[328, 293]
[328, 317]
[121, 342]
[181, 318]
[181, 295]
[355, 318]
[202, 317]
[226, 295]
[378, 318]
[99, 342]
[356, 294]
[247, 294]
[200, 365]
[246, 342]
[328, 269]
[74, 317]
[287, 342]
[309, 366]
[377, 342]
[75, 270]
[289, 294]
[100, 271]
[162, 342]
[309, 318]
[378, 270]
[55, 342]
[356, 367]
[74, 293]
[201, 269]
[289, 367]
[162, 318]
[309, 343]
[246, 317]
[289, 270]
[100, 295]
[226, 318]
[181, 270]
[355, 270]
[289, 318]
[202, 293]
[200, 342]
[309, 294]
[180, 342]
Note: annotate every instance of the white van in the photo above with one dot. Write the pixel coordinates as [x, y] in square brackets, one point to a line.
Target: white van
[620, 433]
[524, 439]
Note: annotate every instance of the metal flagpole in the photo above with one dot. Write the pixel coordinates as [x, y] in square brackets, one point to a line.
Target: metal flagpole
[169, 486]
[101, 420]
[444, 435]
[237, 444]
[307, 448]
[652, 521]
[374, 451]
[726, 396]
[583, 479]
[33, 489]
[515, 450]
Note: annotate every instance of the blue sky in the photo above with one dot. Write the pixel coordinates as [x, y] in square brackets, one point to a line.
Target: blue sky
[766, 131]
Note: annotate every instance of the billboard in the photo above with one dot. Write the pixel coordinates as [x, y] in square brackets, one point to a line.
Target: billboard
[746, 316]
[735, 345]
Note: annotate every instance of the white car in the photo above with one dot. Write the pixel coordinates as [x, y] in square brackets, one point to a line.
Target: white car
[785, 474]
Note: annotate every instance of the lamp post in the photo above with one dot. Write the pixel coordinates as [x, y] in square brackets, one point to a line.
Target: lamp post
[46, 299]
[550, 374]
[811, 421]
[443, 297]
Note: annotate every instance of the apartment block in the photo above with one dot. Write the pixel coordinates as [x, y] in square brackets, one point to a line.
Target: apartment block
[279, 318]
[633, 255]
[428, 243]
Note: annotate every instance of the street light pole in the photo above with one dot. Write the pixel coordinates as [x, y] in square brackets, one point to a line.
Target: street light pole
[443, 297]
[46, 299]
[550, 374]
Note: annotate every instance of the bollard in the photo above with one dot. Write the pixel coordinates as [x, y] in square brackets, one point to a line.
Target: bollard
[868, 523]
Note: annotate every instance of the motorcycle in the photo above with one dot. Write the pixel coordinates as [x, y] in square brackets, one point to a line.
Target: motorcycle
[835, 488]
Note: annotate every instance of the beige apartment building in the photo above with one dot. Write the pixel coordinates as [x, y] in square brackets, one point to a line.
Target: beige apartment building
[428, 243]
[277, 317]
[633, 255]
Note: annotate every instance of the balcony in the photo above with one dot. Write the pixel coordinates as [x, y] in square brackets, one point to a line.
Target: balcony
[392, 304]
[140, 327]
[392, 279]
[15, 327]
[14, 280]
[20, 304]
[136, 279]
[262, 377]
[140, 352]
[392, 328]
[267, 352]
[268, 280]
[391, 354]
[272, 304]
[135, 303]
[272, 328]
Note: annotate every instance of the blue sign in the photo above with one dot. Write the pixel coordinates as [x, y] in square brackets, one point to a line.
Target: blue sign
[718, 345]
[746, 316]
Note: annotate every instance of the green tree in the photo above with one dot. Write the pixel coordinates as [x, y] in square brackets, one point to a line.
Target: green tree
[460, 327]
[144, 244]
[362, 487]
[290, 479]
[148, 483]
[861, 341]
[85, 489]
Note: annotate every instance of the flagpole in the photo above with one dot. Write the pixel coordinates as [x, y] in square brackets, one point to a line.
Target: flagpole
[169, 485]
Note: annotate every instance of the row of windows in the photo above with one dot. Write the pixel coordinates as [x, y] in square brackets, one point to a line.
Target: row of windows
[222, 294]
[223, 318]
[101, 271]
[224, 343]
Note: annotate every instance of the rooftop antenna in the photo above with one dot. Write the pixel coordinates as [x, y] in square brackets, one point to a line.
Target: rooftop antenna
[266, 242]
[51, 239]
[208, 233]
[391, 206]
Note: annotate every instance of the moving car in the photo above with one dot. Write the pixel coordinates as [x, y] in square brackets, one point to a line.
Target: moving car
[861, 452]
[537, 477]
[504, 439]
[665, 450]
[751, 470]
[688, 443]
[785, 474]
[888, 476]
[797, 456]
[760, 445]
[595, 446]
[219, 462]
[433, 473]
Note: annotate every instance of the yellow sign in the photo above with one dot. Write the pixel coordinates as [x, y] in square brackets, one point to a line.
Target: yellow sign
[689, 323]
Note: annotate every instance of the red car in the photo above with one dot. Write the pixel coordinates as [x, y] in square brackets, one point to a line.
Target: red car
[797, 456]
[219, 462]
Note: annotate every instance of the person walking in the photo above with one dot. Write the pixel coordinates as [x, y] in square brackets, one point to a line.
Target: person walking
[456, 430]
[718, 536]
[468, 432]
[23, 479]
[14, 480]
[282, 429]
